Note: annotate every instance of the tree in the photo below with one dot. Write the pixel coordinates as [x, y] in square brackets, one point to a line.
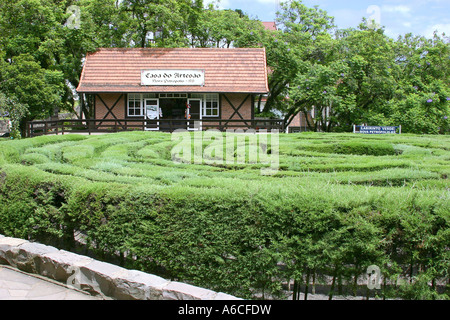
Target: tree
[31, 27]
[317, 89]
[355, 76]
[101, 24]
[39, 30]
[288, 49]
[370, 80]
[225, 29]
[421, 103]
[158, 22]
[24, 81]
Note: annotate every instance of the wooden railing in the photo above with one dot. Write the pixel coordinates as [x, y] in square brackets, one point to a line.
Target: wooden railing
[38, 128]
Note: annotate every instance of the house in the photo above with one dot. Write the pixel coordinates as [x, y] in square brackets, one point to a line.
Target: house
[270, 25]
[169, 88]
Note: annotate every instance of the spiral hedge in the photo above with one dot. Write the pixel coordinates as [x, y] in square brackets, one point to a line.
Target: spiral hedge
[338, 204]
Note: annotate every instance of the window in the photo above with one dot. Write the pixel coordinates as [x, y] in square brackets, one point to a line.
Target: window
[134, 105]
[211, 105]
[173, 95]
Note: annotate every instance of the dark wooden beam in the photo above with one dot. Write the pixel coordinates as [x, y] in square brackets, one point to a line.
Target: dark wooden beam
[110, 110]
[236, 110]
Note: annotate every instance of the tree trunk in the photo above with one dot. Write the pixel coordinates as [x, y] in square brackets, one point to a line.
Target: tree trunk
[355, 283]
[313, 290]
[330, 295]
[308, 273]
[295, 290]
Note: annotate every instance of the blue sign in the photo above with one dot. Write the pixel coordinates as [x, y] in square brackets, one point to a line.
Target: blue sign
[377, 130]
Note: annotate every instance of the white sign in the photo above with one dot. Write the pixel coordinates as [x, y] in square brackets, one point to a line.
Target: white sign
[152, 112]
[377, 130]
[173, 77]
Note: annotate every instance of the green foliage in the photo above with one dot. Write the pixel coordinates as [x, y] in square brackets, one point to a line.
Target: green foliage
[355, 76]
[221, 28]
[373, 148]
[34, 91]
[339, 203]
[345, 77]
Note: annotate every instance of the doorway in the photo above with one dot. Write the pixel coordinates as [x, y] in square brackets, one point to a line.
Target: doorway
[172, 109]
[152, 112]
[185, 111]
[195, 113]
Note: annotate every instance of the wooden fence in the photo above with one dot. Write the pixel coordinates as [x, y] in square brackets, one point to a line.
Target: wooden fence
[38, 128]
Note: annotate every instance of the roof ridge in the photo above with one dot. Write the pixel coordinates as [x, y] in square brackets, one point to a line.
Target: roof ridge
[179, 48]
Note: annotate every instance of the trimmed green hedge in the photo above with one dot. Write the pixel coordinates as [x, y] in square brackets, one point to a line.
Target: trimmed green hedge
[243, 236]
[372, 148]
[233, 240]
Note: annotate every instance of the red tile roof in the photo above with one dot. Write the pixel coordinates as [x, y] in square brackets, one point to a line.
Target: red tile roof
[270, 25]
[241, 70]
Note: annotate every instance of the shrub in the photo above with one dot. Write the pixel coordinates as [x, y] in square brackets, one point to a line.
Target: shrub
[231, 229]
[374, 148]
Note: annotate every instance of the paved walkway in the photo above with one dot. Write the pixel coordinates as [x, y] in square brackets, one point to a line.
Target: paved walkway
[18, 285]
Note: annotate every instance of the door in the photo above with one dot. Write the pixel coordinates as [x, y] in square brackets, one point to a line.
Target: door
[152, 112]
[194, 113]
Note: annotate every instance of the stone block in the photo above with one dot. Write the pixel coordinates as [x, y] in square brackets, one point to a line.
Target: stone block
[97, 277]
[7, 249]
[225, 296]
[182, 291]
[137, 285]
[28, 256]
[60, 265]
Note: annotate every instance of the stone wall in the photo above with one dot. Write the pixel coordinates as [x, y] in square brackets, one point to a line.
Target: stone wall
[95, 277]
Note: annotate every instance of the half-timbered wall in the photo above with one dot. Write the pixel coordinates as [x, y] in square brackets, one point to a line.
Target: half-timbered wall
[110, 106]
[232, 106]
